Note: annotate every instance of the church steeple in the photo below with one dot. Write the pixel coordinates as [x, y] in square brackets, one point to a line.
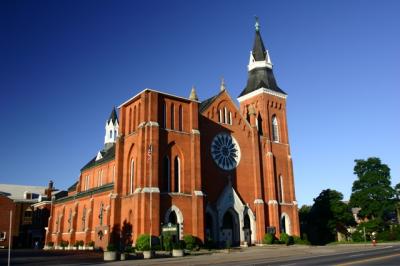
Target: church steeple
[111, 129]
[260, 74]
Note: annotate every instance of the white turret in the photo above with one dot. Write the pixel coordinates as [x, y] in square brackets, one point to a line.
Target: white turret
[111, 129]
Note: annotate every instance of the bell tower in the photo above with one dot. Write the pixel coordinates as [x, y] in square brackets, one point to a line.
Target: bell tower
[264, 103]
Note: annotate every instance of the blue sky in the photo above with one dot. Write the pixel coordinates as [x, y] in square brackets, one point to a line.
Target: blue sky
[65, 64]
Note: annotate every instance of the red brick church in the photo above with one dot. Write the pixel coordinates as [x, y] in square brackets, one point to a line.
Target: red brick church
[212, 169]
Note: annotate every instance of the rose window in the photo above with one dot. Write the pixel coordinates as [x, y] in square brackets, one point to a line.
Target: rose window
[225, 151]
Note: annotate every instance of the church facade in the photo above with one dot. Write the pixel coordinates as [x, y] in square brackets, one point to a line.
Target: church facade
[212, 169]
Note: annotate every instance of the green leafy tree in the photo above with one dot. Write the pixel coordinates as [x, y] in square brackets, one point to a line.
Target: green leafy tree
[304, 212]
[327, 216]
[372, 191]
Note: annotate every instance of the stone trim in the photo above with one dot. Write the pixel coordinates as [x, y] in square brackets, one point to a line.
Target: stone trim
[258, 201]
[272, 202]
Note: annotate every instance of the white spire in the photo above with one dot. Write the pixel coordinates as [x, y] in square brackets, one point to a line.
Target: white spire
[112, 127]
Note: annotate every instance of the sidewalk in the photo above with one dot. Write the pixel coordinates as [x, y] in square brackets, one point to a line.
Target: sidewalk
[270, 253]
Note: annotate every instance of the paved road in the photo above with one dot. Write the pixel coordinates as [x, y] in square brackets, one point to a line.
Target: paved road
[342, 255]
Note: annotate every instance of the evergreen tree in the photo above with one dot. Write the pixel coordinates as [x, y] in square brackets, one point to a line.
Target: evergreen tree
[372, 191]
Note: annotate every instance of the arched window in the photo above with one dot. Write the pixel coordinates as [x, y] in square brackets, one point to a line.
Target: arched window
[230, 118]
[134, 118]
[138, 116]
[180, 118]
[220, 116]
[281, 191]
[87, 180]
[164, 116]
[131, 176]
[113, 174]
[172, 116]
[177, 174]
[166, 175]
[115, 134]
[259, 124]
[275, 129]
[225, 115]
[130, 121]
[101, 178]
[111, 134]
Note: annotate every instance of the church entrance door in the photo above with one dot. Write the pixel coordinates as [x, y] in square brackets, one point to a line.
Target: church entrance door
[230, 228]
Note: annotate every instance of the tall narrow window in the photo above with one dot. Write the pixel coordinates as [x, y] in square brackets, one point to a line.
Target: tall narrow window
[101, 177]
[220, 116]
[180, 118]
[110, 134]
[113, 174]
[166, 175]
[259, 124]
[131, 176]
[130, 121]
[225, 115]
[230, 118]
[282, 195]
[87, 182]
[164, 116]
[138, 116]
[172, 116]
[177, 174]
[134, 118]
[275, 129]
[115, 134]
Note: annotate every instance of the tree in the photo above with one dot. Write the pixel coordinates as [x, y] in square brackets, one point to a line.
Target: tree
[327, 216]
[372, 191]
[304, 212]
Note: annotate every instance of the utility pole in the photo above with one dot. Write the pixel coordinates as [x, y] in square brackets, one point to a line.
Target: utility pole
[10, 239]
[365, 237]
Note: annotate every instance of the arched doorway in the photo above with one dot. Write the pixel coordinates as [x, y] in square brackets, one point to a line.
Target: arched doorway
[230, 228]
[285, 224]
[247, 229]
[173, 218]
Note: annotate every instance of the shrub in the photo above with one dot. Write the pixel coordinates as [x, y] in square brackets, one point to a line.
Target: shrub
[76, 244]
[64, 243]
[90, 243]
[143, 242]
[290, 241]
[284, 238]
[50, 244]
[268, 239]
[180, 244]
[111, 247]
[167, 242]
[129, 249]
[299, 241]
[190, 242]
[357, 236]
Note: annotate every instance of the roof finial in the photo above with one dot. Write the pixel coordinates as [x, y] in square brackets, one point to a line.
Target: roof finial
[257, 25]
[222, 87]
[193, 94]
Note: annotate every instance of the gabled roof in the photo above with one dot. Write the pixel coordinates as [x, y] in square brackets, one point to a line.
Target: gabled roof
[206, 103]
[108, 154]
